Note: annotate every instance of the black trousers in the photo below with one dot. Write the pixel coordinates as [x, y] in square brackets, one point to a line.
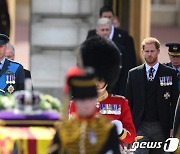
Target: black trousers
[152, 132]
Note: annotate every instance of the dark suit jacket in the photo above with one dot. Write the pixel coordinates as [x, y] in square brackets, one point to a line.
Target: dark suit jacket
[27, 74]
[176, 125]
[125, 44]
[135, 93]
[19, 85]
[121, 37]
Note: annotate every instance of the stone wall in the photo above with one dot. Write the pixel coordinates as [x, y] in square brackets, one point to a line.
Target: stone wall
[57, 29]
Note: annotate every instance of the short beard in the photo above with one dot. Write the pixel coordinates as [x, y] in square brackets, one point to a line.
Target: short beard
[152, 61]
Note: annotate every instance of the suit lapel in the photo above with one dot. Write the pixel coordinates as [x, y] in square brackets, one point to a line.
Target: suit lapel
[5, 67]
[141, 83]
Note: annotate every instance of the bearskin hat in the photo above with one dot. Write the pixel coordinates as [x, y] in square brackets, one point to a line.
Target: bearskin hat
[103, 55]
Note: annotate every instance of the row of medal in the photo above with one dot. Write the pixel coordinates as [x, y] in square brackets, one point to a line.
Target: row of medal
[166, 81]
[10, 79]
[110, 109]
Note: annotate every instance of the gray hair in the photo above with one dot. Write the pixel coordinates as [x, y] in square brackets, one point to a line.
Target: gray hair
[104, 21]
[11, 47]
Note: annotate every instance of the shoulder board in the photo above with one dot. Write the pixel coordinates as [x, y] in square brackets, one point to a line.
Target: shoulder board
[118, 96]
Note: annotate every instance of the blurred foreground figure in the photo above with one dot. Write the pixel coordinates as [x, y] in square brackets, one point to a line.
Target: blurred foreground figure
[102, 54]
[4, 18]
[85, 132]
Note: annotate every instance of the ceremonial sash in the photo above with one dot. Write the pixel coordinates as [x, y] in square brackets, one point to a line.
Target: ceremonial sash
[11, 68]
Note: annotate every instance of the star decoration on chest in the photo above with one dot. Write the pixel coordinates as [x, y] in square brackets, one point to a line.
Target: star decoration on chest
[166, 95]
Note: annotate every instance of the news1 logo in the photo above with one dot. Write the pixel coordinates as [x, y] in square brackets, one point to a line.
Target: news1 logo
[171, 144]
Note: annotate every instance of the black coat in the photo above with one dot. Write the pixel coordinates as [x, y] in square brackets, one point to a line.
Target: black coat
[125, 44]
[176, 125]
[27, 74]
[19, 81]
[135, 93]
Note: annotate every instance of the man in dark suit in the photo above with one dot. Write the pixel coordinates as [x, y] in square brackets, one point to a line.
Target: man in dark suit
[152, 92]
[118, 35]
[123, 41]
[11, 73]
[10, 54]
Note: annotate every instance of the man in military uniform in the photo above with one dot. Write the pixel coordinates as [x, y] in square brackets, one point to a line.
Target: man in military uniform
[102, 54]
[11, 73]
[10, 54]
[174, 56]
[85, 133]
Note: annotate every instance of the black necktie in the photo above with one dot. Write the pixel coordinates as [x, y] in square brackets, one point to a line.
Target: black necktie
[151, 76]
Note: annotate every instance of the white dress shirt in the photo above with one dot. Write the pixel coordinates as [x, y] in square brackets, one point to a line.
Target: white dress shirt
[148, 68]
[112, 33]
[2, 63]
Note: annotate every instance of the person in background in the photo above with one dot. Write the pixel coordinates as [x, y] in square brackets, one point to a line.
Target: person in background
[116, 22]
[117, 35]
[103, 28]
[85, 132]
[11, 73]
[174, 56]
[10, 54]
[152, 92]
[101, 54]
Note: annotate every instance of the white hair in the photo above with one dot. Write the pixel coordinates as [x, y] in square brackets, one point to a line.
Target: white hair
[104, 21]
[11, 47]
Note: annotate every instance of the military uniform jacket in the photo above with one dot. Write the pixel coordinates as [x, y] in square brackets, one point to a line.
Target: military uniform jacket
[115, 108]
[11, 80]
[85, 136]
[167, 94]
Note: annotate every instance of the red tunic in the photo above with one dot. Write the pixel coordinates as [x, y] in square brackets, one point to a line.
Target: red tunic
[115, 108]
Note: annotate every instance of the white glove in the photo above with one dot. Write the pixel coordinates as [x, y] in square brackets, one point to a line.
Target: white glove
[119, 126]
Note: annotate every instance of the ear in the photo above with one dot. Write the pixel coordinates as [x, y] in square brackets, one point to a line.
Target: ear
[158, 51]
[142, 52]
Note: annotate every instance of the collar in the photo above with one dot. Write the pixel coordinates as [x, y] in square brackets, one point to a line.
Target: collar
[176, 68]
[112, 33]
[155, 67]
[103, 97]
[89, 118]
[2, 61]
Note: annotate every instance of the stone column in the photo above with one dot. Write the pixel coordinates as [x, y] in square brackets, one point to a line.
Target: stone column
[139, 22]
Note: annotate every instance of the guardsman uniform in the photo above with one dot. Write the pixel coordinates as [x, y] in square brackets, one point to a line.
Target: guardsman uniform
[11, 73]
[84, 135]
[174, 50]
[103, 56]
[115, 108]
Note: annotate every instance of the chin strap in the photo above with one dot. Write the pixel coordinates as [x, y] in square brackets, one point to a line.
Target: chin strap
[102, 89]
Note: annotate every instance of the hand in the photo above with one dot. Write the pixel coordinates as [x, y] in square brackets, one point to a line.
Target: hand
[119, 126]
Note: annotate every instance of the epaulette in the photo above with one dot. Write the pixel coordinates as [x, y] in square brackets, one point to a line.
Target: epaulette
[118, 96]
